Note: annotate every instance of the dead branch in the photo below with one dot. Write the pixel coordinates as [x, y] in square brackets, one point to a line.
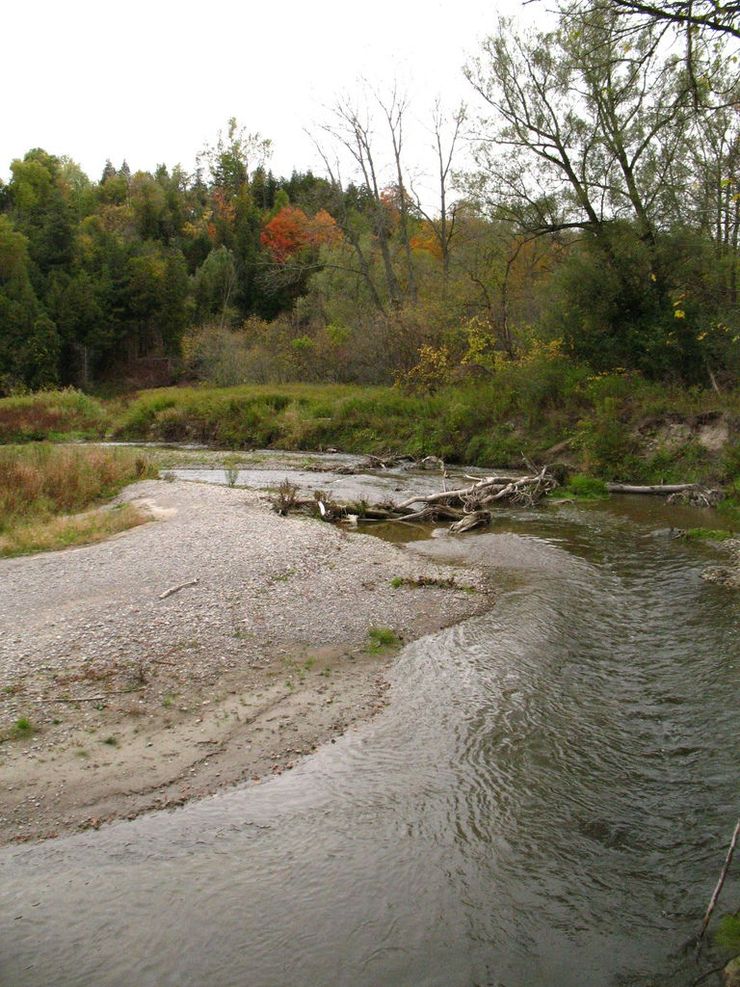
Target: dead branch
[176, 589]
[659, 488]
[86, 699]
[720, 883]
[697, 497]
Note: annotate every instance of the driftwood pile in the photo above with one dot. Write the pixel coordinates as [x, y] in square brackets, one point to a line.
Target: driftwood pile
[466, 507]
[390, 463]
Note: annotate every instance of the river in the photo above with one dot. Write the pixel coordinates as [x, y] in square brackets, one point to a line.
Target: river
[545, 802]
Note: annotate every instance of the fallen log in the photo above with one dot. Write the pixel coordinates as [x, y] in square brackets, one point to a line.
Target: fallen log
[657, 488]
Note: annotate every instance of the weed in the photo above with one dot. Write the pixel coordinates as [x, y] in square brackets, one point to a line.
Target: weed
[111, 741]
[285, 499]
[382, 639]
[23, 727]
[231, 470]
[419, 582]
[283, 577]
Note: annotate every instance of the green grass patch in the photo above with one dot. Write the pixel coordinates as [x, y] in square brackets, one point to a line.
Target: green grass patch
[383, 639]
[727, 936]
[583, 487]
[708, 534]
[23, 727]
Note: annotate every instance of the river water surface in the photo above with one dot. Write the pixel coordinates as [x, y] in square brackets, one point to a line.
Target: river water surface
[544, 803]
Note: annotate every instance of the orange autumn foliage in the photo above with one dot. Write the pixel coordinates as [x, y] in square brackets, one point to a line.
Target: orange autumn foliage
[290, 230]
[427, 241]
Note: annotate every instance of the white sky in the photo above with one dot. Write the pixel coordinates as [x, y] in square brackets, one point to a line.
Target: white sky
[154, 81]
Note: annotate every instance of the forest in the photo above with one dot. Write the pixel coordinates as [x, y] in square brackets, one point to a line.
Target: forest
[584, 206]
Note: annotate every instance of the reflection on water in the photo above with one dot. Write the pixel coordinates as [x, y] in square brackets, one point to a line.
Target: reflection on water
[544, 803]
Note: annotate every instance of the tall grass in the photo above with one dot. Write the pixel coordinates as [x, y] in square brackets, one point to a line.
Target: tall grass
[43, 487]
[50, 414]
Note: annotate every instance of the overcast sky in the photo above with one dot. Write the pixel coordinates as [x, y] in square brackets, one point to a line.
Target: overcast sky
[154, 81]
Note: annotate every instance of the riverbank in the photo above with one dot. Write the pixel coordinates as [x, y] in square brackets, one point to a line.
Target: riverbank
[126, 690]
[616, 427]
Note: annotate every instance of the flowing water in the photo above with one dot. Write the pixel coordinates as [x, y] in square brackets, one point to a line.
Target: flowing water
[544, 803]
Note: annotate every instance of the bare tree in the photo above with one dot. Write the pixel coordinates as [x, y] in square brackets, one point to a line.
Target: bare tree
[352, 129]
[447, 133]
[711, 15]
[394, 111]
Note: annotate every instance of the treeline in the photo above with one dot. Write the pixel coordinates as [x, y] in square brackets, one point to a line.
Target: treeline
[100, 278]
[600, 222]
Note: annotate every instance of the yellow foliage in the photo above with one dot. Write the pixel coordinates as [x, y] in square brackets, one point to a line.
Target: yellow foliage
[430, 373]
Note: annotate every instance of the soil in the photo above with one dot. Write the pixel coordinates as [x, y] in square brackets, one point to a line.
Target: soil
[118, 696]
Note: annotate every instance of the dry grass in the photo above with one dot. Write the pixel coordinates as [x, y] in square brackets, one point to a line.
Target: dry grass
[62, 532]
[44, 487]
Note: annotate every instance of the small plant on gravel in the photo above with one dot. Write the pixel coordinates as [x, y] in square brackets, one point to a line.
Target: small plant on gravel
[23, 727]
[111, 741]
[231, 470]
[285, 498]
[382, 638]
[421, 581]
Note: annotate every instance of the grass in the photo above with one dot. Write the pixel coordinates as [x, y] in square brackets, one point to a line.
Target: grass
[583, 487]
[44, 490]
[22, 728]
[64, 532]
[52, 414]
[709, 534]
[727, 936]
[383, 639]
[420, 582]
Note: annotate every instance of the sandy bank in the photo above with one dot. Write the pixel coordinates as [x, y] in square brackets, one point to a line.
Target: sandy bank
[138, 701]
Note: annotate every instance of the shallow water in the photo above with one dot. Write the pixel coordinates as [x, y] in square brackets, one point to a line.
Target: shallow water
[545, 802]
